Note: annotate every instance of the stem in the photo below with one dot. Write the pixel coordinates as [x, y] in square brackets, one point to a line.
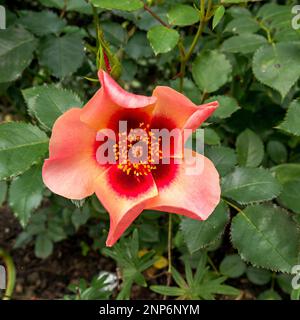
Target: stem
[169, 273]
[212, 264]
[203, 97]
[11, 274]
[196, 39]
[203, 20]
[155, 16]
[63, 11]
[97, 29]
[273, 280]
[233, 205]
[182, 74]
[180, 44]
[267, 31]
[170, 243]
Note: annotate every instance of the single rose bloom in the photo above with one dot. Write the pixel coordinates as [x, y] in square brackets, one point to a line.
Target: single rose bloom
[126, 188]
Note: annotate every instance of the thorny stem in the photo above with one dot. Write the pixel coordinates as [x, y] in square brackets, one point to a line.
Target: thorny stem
[11, 274]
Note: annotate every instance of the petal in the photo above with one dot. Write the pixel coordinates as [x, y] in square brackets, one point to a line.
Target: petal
[71, 177]
[185, 190]
[110, 100]
[178, 110]
[124, 197]
[121, 97]
[72, 168]
[71, 136]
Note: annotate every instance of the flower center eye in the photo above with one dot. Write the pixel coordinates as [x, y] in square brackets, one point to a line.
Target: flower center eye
[135, 153]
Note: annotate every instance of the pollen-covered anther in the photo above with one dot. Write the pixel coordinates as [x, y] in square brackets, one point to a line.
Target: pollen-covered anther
[140, 166]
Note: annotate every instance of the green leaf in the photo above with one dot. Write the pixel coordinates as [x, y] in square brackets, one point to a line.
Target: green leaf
[287, 172]
[80, 6]
[26, 194]
[62, 55]
[3, 191]
[189, 89]
[258, 276]
[269, 295]
[168, 291]
[227, 106]
[208, 289]
[246, 185]
[149, 233]
[249, 148]
[43, 246]
[21, 145]
[211, 70]
[232, 266]
[278, 18]
[114, 33]
[239, 12]
[242, 25]
[295, 294]
[80, 217]
[52, 3]
[126, 5]
[47, 103]
[16, 52]
[162, 39]
[183, 15]
[200, 234]
[289, 176]
[223, 158]
[291, 123]
[266, 236]
[130, 69]
[278, 66]
[244, 43]
[285, 282]
[211, 137]
[277, 151]
[290, 196]
[32, 20]
[218, 15]
[138, 46]
[178, 278]
[145, 21]
[56, 231]
[236, 1]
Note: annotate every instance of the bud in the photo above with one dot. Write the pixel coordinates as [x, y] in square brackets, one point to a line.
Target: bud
[108, 61]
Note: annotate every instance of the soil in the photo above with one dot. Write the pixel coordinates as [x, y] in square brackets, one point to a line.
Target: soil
[50, 278]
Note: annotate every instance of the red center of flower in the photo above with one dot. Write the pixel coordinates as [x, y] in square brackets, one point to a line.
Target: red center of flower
[138, 152]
